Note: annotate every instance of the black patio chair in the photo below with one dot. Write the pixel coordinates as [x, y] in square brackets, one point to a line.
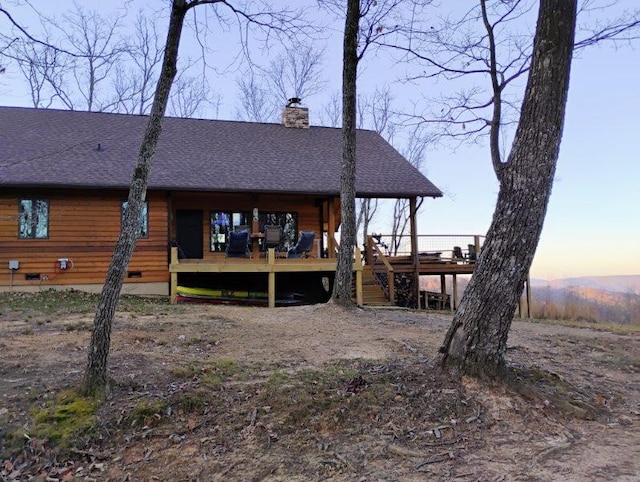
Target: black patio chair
[473, 255]
[304, 245]
[457, 254]
[238, 245]
[272, 237]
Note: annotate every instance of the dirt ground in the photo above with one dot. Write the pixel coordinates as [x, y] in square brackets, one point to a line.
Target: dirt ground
[316, 393]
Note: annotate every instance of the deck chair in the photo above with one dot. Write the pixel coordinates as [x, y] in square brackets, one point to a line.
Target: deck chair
[304, 245]
[272, 237]
[238, 245]
[473, 255]
[457, 254]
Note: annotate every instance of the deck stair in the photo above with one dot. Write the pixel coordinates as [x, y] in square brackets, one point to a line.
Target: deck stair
[372, 292]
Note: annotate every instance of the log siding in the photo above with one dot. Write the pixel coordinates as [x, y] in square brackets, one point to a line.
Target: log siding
[83, 227]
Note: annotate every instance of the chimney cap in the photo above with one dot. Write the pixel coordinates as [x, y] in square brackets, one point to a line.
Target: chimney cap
[294, 100]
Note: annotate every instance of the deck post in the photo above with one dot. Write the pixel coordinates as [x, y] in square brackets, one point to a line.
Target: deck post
[414, 250]
[173, 287]
[528, 296]
[357, 266]
[369, 250]
[271, 290]
[454, 293]
[331, 247]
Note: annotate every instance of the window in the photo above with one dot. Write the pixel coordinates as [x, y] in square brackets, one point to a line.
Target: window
[144, 218]
[33, 219]
[287, 221]
[222, 222]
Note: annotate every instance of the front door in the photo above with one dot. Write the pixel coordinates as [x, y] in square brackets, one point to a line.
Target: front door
[189, 232]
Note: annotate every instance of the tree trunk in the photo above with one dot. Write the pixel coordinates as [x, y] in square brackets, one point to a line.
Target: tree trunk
[344, 272]
[477, 338]
[95, 377]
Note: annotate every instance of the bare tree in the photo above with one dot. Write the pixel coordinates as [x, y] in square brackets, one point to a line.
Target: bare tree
[135, 78]
[331, 111]
[280, 22]
[191, 97]
[414, 152]
[344, 271]
[264, 91]
[137, 73]
[95, 377]
[375, 111]
[450, 48]
[42, 67]
[97, 69]
[364, 28]
[477, 338]
[296, 73]
[256, 103]
[95, 41]
[68, 67]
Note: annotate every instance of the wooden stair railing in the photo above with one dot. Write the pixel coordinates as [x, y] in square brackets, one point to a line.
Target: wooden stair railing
[373, 294]
[372, 260]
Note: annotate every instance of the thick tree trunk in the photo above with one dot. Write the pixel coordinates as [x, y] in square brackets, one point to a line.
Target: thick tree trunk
[95, 376]
[344, 272]
[477, 338]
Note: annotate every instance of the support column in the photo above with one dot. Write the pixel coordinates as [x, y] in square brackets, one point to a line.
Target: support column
[528, 285]
[332, 229]
[173, 287]
[454, 293]
[358, 269]
[414, 250]
[271, 284]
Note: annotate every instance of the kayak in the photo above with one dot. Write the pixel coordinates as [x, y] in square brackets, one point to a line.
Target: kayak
[233, 297]
[204, 292]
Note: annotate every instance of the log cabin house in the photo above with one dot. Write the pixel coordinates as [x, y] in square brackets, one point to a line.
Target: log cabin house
[64, 178]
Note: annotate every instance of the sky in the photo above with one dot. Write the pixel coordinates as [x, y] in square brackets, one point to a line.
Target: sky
[592, 225]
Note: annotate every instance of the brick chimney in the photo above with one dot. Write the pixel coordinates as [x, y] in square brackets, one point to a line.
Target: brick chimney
[294, 115]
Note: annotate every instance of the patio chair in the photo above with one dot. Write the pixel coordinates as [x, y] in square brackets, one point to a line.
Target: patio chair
[272, 237]
[457, 254]
[473, 255]
[238, 245]
[304, 245]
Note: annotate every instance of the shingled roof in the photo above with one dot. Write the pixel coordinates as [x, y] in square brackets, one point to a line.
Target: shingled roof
[55, 148]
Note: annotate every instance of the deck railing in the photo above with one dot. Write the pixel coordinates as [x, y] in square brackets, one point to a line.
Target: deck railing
[269, 265]
[374, 256]
[444, 244]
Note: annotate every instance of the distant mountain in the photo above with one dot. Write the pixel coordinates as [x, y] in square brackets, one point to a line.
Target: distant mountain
[616, 284]
[614, 299]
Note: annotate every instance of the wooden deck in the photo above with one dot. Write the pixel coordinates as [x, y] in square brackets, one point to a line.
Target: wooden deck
[428, 264]
[435, 261]
[269, 265]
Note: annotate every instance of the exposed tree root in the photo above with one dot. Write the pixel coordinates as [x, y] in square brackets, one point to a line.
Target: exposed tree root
[540, 386]
[553, 391]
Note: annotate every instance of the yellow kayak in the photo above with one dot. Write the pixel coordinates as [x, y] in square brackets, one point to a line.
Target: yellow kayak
[210, 293]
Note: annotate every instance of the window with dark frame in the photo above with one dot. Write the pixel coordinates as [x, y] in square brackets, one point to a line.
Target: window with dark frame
[288, 222]
[33, 219]
[144, 218]
[223, 222]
